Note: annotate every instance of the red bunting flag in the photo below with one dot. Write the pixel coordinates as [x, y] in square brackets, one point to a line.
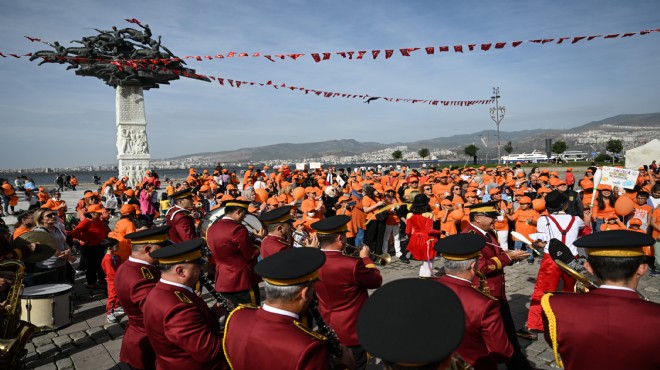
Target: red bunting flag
[388, 54]
[561, 39]
[485, 47]
[375, 53]
[593, 37]
[342, 53]
[628, 34]
[350, 54]
[326, 56]
[269, 58]
[500, 45]
[219, 56]
[612, 36]
[133, 20]
[231, 82]
[444, 49]
[404, 52]
[471, 47]
[577, 38]
[458, 48]
[255, 54]
[316, 57]
[231, 54]
[430, 49]
[361, 54]
[238, 84]
[281, 56]
[295, 56]
[516, 43]
[243, 54]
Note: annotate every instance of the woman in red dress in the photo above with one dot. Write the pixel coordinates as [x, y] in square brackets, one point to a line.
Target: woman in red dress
[419, 227]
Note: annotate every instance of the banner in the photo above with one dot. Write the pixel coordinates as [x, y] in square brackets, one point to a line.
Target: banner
[619, 177]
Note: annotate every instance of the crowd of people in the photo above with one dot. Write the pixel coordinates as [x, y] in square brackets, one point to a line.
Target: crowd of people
[475, 221]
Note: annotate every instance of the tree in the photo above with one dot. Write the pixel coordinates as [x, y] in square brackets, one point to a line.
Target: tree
[423, 153]
[471, 151]
[397, 155]
[614, 146]
[559, 147]
[508, 148]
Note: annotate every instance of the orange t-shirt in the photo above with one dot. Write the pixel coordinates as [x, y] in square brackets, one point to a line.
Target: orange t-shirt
[441, 189]
[352, 225]
[20, 231]
[501, 222]
[124, 226]
[600, 213]
[656, 215]
[521, 217]
[366, 203]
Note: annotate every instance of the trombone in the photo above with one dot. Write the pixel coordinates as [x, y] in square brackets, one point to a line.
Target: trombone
[380, 259]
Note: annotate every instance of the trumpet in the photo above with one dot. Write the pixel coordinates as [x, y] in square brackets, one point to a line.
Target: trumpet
[380, 259]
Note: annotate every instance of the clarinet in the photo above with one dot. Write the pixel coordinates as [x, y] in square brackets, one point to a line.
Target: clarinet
[225, 303]
[325, 330]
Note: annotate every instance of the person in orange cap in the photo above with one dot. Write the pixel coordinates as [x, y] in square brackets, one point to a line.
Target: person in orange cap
[57, 204]
[92, 231]
[125, 225]
[603, 205]
[525, 219]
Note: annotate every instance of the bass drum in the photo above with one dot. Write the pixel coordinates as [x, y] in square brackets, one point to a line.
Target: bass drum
[252, 223]
[208, 220]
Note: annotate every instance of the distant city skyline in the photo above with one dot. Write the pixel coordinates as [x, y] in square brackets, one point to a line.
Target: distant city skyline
[52, 118]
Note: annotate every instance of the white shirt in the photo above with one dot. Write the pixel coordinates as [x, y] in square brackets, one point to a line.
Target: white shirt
[139, 261]
[177, 284]
[458, 278]
[616, 287]
[546, 230]
[279, 311]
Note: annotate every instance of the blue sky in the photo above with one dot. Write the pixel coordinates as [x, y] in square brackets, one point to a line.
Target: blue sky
[50, 117]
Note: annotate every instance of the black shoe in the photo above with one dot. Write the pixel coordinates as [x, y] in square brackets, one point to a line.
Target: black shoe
[528, 334]
[405, 260]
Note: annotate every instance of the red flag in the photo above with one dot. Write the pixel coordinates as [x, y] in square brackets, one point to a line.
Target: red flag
[576, 39]
[316, 57]
[350, 54]
[231, 54]
[33, 39]
[342, 53]
[255, 54]
[281, 56]
[458, 48]
[404, 52]
[485, 47]
[561, 39]
[221, 81]
[430, 50]
[295, 56]
[629, 34]
[238, 83]
[545, 41]
[614, 35]
[208, 57]
[471, 47]
[500, 45]
[326, 56]
[269, 58]
[536, 41]
[516, 43]
[243, 54]
[444, 49]
[361, 54]
[231, 82]
[318, 93]
[593, 37]
[388, 54]
[269, 83]
[132, 20]
[375, 53]
[212, 77]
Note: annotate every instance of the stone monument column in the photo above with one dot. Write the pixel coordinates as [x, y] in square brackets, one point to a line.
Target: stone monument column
[132, 144]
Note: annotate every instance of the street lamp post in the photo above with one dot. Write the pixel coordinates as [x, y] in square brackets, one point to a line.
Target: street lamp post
[497, 114]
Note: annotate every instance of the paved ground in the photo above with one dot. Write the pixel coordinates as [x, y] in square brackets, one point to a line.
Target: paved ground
[91, 343]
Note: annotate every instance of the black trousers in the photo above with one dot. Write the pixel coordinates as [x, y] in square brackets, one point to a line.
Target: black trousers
[518, 360]
[93, 256]
[249, 296]
[374, 235]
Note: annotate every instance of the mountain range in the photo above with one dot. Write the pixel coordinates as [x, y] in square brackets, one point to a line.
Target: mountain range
[632, 129]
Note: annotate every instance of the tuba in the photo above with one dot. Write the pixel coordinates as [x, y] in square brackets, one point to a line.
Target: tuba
[582, 284]
[14, 333]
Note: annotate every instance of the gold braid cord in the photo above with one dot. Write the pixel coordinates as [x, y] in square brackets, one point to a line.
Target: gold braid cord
[552, 326]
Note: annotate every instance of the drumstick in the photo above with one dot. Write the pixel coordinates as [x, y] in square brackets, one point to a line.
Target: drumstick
[525, 240]
[598, 176]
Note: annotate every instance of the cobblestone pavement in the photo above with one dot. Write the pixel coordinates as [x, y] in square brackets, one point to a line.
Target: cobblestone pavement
[91, 343]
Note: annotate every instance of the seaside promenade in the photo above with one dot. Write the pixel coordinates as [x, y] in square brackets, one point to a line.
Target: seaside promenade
[90, 342]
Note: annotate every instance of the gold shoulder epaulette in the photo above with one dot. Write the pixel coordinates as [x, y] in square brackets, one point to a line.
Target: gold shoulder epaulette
[146, 273]
[247, 305]
[472, 232]
[314, 334]
[552, 326]
[182, 297]
[483, 293]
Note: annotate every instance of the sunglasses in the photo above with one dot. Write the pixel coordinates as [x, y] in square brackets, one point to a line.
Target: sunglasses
[49, 215]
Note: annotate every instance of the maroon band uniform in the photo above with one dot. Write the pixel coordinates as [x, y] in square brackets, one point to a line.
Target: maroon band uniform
[491, 262]
[294, 347]
[342, 290]
[605, 329]
[235, 255]
[134, 281]
[182, 225]
[485, 342]
[272, 244]
[183, 331]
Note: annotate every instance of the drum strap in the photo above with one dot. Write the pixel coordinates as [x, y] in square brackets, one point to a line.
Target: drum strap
[562, 231]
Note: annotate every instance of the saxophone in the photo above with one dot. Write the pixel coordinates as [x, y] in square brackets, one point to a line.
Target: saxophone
[14, 333]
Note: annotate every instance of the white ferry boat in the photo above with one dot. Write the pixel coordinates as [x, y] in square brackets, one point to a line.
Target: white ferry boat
[533, 157]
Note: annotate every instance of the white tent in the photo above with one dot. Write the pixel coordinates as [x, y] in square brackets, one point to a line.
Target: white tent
[644, 154]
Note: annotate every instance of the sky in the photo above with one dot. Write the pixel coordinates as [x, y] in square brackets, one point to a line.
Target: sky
[53, 118]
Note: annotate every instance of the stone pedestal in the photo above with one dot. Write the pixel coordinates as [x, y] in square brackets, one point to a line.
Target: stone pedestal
[132, 143]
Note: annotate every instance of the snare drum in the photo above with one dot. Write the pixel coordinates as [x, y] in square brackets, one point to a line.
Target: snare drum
[47, 306]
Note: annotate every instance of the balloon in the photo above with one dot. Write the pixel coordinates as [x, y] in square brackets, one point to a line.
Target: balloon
[261, 195]
[456, 214]
[624, 206]
[299, 193]
[539, 205]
